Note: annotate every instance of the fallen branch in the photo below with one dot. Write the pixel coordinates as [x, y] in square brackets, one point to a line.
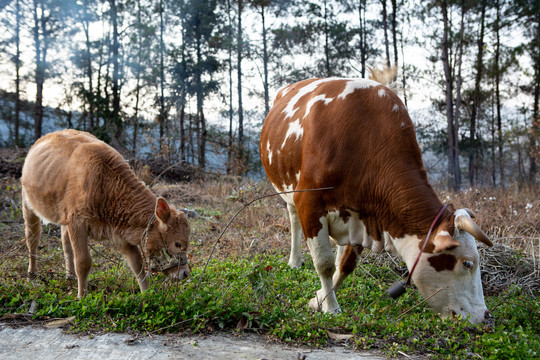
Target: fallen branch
[239, 211]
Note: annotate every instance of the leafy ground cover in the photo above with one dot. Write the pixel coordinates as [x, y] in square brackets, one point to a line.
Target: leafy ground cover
[249, 287]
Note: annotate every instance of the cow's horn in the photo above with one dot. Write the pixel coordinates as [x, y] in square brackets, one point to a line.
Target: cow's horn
[468, 225]
[470, 212]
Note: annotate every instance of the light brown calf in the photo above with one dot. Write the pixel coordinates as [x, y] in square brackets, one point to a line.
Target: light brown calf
[72, 179]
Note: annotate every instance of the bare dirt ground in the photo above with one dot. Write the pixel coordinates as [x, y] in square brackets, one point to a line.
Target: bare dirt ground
[30, 342]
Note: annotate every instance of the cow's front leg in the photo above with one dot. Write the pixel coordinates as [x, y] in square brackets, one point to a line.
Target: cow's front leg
[323, 259]
[296, 259]
[135, 262]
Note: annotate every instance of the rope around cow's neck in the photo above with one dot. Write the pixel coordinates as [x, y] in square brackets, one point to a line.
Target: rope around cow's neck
[239, 211]
[433, 224]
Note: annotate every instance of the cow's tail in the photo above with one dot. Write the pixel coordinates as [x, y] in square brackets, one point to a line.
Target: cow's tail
[387, 75]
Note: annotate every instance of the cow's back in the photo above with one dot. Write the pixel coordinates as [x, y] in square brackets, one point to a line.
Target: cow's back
[342, 133]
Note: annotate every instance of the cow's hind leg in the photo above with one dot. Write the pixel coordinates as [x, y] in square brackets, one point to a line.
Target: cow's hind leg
[346, 261]
[68, 253]
[78, 236]
[32, 232]
[135, 262]
[295, 259]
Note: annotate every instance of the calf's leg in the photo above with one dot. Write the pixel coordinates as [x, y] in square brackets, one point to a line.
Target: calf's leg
[68, 253]
[135, 262]
[32, 232]
[78, 236]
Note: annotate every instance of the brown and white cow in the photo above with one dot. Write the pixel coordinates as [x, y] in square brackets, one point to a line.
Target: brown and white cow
[355, 135]
[72, 179]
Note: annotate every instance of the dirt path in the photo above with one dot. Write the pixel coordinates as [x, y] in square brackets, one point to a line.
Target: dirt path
[43, 344]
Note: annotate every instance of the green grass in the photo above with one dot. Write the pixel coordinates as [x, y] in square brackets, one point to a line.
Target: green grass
[249, 287]
[265, 295]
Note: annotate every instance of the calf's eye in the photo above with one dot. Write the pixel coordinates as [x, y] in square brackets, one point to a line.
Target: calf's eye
[468, 264]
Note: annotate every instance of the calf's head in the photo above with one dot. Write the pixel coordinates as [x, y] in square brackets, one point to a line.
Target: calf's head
[451, 270]
[168, 241]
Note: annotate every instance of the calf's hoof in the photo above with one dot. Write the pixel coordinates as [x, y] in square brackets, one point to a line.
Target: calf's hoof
[296, 263]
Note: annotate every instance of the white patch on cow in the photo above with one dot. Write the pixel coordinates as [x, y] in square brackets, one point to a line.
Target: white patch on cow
[444, 233]
[354, 232]
[290, 109]
[294, 129]
[298, 177]
[403, 124]
[288, 198]
[269, 153]
[323, 258]
[313, 100]
[395, 108]
[381, 92]
[295, 259]
[352, 85]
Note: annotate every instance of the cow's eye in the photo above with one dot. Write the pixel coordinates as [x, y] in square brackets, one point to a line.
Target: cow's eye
[468, 264]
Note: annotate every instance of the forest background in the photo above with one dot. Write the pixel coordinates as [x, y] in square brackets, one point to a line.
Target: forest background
[190, 81]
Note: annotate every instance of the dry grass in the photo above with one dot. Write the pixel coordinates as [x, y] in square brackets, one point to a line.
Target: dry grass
[510, 217]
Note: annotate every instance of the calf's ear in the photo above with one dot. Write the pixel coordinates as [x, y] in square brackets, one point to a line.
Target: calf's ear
[163, 212]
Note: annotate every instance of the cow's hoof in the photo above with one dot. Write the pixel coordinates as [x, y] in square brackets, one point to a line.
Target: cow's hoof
[314, 304]
[317, 305]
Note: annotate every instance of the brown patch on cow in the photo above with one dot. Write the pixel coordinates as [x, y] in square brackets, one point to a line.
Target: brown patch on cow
[349, 259]
[359, 146]
[443, 262]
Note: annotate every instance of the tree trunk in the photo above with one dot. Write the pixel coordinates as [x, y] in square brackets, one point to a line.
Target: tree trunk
[116, 118]
[201, 125]
[138, 77]
[453, 149]
[162, 113]
[90, 98]
[41, 53]
[394, 31]
[498, 99]
[473, 155]
[534, 133]
[230, 154]
[265, 62]
[326, 41]
[17, 72]
[459, 79]
[385, 27]
[362, 34]
[239, 53]
[534, 151]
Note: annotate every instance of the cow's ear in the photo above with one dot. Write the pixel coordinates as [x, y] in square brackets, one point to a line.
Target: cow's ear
[444, 241]
[163, 212]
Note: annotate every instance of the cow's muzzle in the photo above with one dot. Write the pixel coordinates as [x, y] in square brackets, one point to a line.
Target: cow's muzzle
[162, 261]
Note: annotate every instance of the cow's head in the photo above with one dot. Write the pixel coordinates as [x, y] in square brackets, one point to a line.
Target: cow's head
[168, 241]
[448, 274]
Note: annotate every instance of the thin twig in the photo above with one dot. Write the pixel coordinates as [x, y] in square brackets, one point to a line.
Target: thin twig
[239, 211]
[415, 306]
